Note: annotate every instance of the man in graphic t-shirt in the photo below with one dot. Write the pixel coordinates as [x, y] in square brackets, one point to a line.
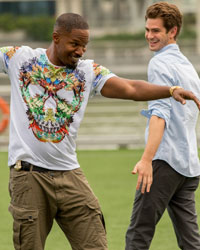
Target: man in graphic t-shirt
[49, 93]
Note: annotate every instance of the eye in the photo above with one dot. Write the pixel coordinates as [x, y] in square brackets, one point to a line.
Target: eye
[75, 44]
[67, 95]
[35, 90]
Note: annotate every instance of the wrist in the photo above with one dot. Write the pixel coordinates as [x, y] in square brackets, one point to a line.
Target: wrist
[147, 158]
[171, 90]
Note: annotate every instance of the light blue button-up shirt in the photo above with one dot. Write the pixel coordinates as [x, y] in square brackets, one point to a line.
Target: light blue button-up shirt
[179, 143]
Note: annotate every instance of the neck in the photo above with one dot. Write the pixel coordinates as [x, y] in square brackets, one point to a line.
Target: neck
[50, 54]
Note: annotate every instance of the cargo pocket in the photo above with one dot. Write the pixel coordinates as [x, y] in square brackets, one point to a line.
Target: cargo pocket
[19, 187]
[95, 207]
[24, 227]
[95, 235]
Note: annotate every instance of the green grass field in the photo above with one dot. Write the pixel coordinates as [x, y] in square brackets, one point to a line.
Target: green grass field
[109, 174]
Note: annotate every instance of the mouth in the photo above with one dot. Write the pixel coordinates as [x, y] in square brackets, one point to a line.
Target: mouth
[49, 126]
[49, 131]
[153, 43]
[74, 61]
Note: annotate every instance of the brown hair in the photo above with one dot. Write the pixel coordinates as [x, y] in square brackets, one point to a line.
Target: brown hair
[169, 13]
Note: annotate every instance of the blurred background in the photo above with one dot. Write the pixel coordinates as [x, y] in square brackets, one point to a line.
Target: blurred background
[117, 42]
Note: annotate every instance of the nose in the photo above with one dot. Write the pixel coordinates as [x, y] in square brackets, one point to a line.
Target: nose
[80, 51]
[50, 103]
[149, 35]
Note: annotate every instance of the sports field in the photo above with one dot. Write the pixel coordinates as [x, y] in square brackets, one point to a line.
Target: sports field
[109, 174]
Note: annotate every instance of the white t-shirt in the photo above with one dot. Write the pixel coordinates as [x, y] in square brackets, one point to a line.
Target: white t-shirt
[47, 105]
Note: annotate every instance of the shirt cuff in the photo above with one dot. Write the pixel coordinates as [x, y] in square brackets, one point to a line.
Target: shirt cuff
[148, 113]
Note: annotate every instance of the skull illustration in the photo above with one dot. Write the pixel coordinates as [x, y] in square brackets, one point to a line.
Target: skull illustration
[52, 96]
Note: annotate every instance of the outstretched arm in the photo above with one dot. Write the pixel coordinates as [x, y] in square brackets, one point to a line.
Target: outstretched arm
[144, 167]
[139, 90]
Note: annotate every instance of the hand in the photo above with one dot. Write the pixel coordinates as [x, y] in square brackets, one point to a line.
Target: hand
[145, 177]
[181, 95]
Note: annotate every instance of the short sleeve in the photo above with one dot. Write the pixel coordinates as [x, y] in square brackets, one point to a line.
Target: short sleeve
[6, 53]
[101, 75]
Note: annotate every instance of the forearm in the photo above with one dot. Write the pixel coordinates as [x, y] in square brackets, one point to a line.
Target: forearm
[144, 91]
[137, 90]
[144, 167]
[156, 130]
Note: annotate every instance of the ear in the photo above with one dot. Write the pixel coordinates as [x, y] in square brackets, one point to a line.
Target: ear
[56, 37]
[173, 32]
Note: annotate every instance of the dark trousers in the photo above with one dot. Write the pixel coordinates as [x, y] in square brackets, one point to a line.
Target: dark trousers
[172, 191]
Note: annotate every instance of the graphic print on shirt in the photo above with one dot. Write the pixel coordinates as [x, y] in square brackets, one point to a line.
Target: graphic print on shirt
[8, 52]
[52, 96]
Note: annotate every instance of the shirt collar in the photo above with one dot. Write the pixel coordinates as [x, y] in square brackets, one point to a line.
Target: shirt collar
[173, 46]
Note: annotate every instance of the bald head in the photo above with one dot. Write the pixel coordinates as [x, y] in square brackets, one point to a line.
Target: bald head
[69, 21]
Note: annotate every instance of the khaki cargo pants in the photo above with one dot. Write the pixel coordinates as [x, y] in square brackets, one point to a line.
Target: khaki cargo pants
[37, 198]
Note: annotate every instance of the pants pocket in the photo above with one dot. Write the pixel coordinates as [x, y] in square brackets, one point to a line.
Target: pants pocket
[95, 208]
[24, 227]
[96, 233]
[19, 187]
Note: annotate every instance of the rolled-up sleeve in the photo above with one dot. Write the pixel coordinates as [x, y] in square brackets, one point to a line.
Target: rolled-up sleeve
[159, 74]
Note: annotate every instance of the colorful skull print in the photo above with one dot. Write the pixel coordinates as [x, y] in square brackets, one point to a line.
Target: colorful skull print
[52, 95]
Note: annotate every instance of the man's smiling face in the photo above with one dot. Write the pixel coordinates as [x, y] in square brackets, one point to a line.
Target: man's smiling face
[157, 35]
[70, 47]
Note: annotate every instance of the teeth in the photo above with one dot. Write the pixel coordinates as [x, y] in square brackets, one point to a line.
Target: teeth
[75, 59]
[49, 126]
[45, 129]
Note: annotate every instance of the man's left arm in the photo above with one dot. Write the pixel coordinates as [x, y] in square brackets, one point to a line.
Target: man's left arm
[144, 167]
[139, 90]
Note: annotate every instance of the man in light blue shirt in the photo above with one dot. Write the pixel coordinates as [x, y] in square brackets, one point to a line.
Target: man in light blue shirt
[169, 170]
